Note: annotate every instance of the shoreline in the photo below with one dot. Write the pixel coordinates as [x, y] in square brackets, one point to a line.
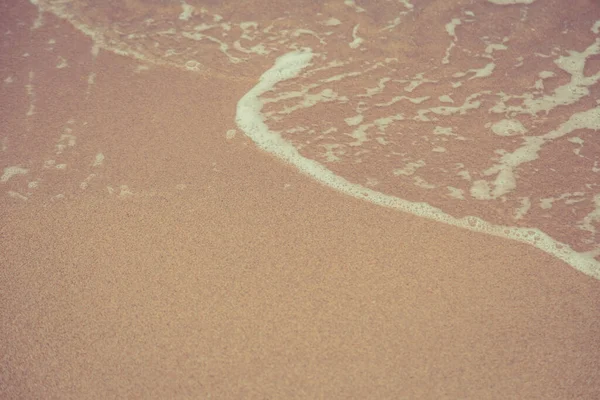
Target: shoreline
[250, 121]
[215, 270]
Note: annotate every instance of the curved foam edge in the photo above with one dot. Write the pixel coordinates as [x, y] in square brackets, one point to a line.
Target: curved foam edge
[250, 121]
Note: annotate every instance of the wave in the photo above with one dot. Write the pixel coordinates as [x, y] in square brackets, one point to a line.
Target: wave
[482, 116]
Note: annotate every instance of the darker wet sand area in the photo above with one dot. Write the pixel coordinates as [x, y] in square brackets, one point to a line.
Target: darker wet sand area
[195, 266]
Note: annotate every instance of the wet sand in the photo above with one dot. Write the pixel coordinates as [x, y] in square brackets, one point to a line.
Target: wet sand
[225, 274]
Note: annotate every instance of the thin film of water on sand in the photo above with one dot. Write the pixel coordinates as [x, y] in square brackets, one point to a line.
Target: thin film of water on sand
[479, 114]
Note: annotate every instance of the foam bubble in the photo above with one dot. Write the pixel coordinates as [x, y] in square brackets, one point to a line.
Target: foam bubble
[9, 172]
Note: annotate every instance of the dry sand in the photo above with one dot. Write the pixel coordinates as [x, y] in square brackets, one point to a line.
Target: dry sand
[249, 280]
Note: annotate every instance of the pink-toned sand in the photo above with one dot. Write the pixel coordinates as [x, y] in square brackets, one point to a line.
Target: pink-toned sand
[248, 280]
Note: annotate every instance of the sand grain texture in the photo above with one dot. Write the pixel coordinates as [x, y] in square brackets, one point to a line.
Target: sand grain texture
[248, 280]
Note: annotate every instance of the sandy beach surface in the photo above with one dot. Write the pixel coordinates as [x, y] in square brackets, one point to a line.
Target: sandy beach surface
[186, 263]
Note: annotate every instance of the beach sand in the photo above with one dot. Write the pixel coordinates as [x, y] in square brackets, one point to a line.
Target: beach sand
[196, 266]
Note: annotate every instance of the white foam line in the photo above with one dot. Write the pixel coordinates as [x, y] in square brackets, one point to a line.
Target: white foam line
[9, 172]
[250, 121]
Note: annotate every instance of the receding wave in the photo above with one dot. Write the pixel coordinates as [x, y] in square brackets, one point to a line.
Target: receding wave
[482, 114]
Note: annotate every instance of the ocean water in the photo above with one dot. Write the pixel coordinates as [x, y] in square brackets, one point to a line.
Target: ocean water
[482, 114]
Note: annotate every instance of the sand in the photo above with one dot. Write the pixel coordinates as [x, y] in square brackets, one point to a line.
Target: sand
[219, 272]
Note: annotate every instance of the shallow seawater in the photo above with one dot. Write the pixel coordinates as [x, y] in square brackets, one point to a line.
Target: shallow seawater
[480, 114]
